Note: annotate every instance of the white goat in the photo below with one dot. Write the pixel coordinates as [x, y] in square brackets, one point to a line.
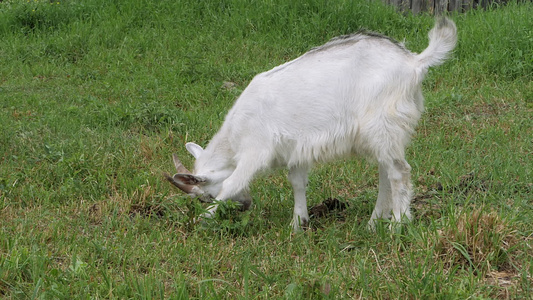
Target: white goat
[357, 94]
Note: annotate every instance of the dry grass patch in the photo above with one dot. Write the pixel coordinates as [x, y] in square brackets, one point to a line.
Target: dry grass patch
[479, 239]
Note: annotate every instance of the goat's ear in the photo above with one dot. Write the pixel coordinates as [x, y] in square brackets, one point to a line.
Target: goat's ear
[188, 179]
[194, 149]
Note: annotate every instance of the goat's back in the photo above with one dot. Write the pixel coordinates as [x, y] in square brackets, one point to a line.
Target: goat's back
[334, 100]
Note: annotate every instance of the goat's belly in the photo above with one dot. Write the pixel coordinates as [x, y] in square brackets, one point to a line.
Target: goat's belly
[308, 150]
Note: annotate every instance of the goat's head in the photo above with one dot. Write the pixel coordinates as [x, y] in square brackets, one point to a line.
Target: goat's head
[206, 182]
[187, 182]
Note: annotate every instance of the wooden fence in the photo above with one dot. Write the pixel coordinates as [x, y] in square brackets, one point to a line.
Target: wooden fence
[438, 7]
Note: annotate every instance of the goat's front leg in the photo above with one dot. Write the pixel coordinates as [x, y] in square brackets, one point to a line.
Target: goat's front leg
[237, 183]
[383, 206]
[298, 180]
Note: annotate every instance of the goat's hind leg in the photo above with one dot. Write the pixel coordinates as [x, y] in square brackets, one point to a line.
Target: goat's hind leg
[399, 173]
[298, 179]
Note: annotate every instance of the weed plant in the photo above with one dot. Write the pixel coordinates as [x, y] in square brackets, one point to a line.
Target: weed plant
[96, 95]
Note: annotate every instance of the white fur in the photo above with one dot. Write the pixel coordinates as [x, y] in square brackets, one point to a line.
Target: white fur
[357, 94]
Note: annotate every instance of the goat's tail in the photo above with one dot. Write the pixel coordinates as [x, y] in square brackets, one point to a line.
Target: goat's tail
[442, 40]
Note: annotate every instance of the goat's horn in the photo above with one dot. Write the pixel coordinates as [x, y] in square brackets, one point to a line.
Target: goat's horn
[179, 166]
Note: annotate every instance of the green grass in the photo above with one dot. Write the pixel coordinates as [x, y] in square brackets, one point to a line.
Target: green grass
[95, 96]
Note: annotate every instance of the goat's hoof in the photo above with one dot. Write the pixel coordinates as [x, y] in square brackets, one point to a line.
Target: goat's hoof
[371, 226]
[245, 204]
[204, 217]
[302, 225]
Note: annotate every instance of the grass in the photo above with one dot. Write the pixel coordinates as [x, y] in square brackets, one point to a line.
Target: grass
[95, 96]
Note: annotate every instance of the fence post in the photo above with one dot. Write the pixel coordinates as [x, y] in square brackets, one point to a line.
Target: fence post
[441, 6]
[455, 5]
[416, 6]
[430, 6]
[438, 7]
[405, 5]
[467, 5]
